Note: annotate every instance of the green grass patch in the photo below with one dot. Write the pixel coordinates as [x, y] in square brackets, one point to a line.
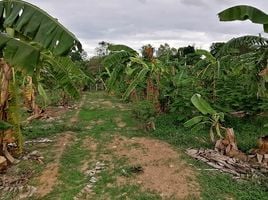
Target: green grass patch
[71, 179]
[42, 128]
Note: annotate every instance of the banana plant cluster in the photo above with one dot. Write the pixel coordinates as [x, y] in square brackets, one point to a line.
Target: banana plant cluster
[33, 46]
[139, 78]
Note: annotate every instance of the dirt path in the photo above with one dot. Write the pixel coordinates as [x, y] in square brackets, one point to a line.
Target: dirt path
[48, 179]
[101, 160]
[74, 119]
[162, 169]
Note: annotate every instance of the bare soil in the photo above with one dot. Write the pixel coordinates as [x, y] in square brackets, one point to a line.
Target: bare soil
[164, 171]
[48, 179]
[74, 119]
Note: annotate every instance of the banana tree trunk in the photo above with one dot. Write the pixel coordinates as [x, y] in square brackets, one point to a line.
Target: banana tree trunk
[30, 97]
[6, 76]
[149, 89]
[152, 94]
[6, 72]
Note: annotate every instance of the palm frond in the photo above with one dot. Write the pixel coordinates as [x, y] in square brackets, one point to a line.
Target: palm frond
[114, 76]
[249, 41]
[43, 94]
[113, 59]
[136, 60]
[65, 74]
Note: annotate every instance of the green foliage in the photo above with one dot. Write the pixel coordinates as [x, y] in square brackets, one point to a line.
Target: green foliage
[139, 77]
[242, 45]
[202, 105]
[210, 116]
[19, 53]
[115, 64]
[66, 74]
[144, 111]
[5, 125]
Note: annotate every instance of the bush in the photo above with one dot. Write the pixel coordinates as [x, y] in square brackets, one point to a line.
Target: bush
[144, 111]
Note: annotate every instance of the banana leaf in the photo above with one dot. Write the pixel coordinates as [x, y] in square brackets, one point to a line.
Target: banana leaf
[244, 12]
[18, 53]
[195, 120]
[120, 47]
[202, 105]
[37, 25]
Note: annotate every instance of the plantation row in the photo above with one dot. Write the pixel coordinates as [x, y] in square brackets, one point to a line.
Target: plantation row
[42, 59]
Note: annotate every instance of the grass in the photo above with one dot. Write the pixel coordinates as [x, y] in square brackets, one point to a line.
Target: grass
[39, 129]
[71, 179]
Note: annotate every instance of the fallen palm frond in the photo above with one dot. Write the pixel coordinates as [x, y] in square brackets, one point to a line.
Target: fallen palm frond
[226, 157]
[229, 165]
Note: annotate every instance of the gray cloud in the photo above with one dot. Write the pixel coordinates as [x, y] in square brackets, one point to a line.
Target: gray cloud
[199, 3]
[137, 22]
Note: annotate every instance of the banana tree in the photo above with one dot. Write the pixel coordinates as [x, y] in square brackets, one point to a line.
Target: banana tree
[27, 33]
[115, 64]
[209, 117]
[208, 69]
[255, 15]
[145, 72]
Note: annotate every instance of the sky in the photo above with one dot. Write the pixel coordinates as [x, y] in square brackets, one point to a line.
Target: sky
[139, 22]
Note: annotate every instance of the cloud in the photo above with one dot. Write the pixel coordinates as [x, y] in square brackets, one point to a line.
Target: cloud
[199, 3]
[137, 22]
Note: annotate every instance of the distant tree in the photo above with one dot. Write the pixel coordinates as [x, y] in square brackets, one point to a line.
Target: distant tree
[94, 65]
[78, 55]
[183, 51]
[147, 52]
[165, 52]
[187, 55]
[102, 49]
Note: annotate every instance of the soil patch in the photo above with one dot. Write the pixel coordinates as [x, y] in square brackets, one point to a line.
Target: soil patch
[108, 104]
[56, 112]
[163, 169]
[74, 119]
[91, 145]
[48, 179]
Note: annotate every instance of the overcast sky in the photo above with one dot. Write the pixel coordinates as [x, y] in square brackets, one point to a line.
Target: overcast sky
[139, 22]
